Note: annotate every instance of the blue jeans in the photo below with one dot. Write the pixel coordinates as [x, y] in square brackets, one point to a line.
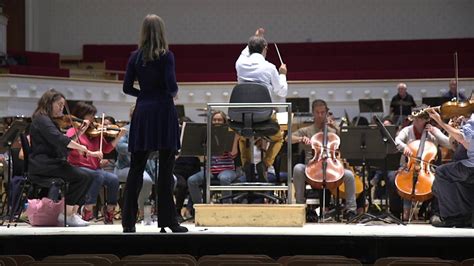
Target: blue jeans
[107, 179]
[146, 187]
[225, 177]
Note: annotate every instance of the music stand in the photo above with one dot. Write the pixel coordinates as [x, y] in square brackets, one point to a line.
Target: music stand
[370, 106]
[299, 105]
[180, 110]
[390, 148]
[6, 142]
[360, 145]
[433, 101]
[194, 140]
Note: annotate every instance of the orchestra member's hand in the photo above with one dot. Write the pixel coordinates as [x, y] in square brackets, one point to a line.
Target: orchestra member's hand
[97, 154]
[122, 132]
[259, 32]
[305, 140]
[234, 152]
[407, 152]
[434, 115]
[430, 128]
[83, 128]
[104, 163]
[282, 70]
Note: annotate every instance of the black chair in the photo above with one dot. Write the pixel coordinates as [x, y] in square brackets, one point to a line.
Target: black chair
[252, 122]
[32, 184]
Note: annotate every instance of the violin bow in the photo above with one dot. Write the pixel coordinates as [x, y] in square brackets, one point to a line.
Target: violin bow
[456, 73]
[102, 132]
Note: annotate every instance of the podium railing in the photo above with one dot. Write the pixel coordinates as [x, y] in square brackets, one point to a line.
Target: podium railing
[210, 188]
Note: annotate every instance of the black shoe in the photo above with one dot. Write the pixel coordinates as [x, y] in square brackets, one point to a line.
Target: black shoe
[175, 229]
[348, 215]
[129, 229]
[437, 221]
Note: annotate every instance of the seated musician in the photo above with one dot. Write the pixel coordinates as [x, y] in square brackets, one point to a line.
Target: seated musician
[404, 137]
[303, 136]
[453, 187]
[222, 167]
[49, 150]
[251, 66]
[122, 167]
[91, 165]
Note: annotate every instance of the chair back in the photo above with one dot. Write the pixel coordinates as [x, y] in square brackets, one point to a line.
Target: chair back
[252, 121]
[250, 93]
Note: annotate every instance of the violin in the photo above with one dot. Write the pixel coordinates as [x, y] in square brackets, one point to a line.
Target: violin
[95, 130]
[450, 109]
[415, 180]
[325, 170]
[67, 121]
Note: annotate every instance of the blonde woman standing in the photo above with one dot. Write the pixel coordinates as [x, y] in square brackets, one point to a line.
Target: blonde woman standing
[154, 125]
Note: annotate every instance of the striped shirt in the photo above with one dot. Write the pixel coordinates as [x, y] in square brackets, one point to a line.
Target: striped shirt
[222, 163]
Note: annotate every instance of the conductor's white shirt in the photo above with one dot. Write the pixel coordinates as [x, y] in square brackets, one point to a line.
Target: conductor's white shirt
[254, 68]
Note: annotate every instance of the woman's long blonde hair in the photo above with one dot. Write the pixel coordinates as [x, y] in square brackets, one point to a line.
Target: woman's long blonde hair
[152, 38]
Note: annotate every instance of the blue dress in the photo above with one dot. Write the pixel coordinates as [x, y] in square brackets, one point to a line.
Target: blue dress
[154, 124]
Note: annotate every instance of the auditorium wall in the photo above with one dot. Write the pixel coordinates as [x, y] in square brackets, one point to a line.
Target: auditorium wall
[65, 25]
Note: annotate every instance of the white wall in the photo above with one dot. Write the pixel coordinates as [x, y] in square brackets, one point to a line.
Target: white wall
[19, 94]
[64, 25]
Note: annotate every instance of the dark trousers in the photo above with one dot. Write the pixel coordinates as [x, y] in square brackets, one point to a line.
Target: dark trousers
[164, 186]
[78, 179]
[453, 188]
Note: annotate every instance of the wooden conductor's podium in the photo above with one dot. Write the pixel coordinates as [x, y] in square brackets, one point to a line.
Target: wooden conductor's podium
[250, 215]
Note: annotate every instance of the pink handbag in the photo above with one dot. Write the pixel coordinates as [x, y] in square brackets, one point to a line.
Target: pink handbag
[44, 212]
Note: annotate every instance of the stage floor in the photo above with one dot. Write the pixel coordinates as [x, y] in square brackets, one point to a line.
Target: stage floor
[310, 229]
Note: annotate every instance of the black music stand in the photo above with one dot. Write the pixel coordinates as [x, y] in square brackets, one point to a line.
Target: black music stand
[194, 140]
[299, 106]
[369, 106]
[390, 148]
[433, 101]
[6, 142]
[359, 146]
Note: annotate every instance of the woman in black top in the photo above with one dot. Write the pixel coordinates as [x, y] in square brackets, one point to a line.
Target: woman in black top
[48, 154]
[154, 124]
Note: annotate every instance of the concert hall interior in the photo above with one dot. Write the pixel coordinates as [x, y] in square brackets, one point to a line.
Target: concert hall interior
[342, 132]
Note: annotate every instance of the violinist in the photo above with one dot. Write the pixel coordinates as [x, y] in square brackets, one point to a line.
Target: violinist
[404, 137]
[49, 148]
[303, 136]
[453, 187]
[91, 165]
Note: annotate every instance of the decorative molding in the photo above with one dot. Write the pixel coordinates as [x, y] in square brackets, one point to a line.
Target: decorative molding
[19, 94]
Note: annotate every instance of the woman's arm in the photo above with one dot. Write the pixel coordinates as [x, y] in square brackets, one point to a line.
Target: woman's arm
[130, 75]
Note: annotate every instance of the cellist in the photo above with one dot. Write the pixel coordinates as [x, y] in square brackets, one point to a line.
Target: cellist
[404, 137]
[453, 187]
[303, 136]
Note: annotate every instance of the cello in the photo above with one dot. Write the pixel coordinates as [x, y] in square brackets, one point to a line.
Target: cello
[415, 180]
[325, 170]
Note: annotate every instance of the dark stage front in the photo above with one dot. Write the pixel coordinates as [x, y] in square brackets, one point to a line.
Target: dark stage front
[363, 242]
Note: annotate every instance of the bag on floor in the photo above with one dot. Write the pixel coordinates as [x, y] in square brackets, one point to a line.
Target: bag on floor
[44, 212]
